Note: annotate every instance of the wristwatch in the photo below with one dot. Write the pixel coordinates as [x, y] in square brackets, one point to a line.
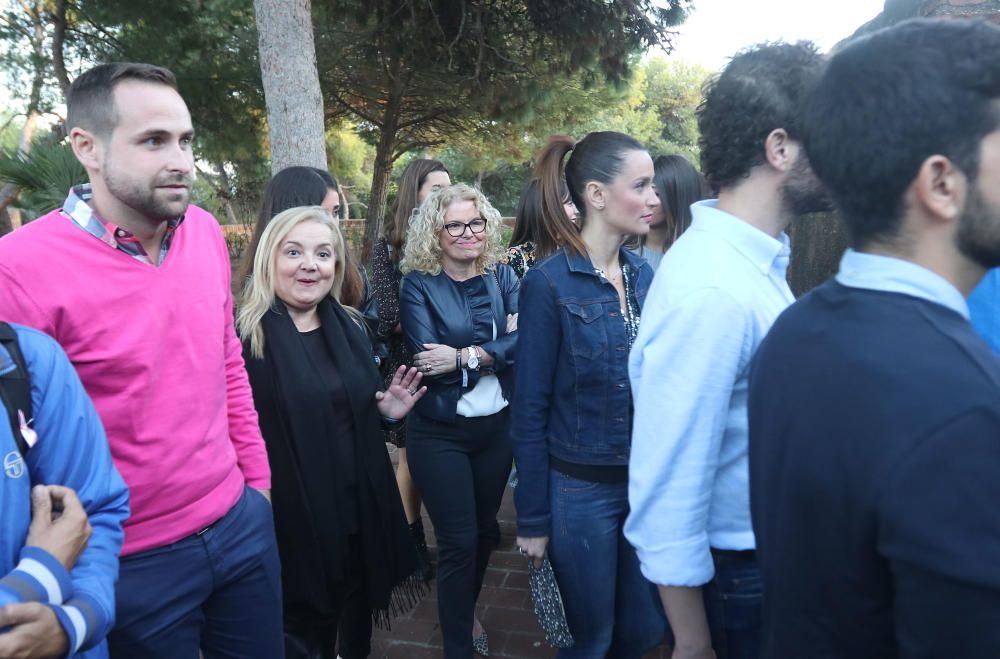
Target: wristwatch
[473, 358]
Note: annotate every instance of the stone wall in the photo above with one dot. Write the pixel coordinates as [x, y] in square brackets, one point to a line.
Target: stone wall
[819, 240]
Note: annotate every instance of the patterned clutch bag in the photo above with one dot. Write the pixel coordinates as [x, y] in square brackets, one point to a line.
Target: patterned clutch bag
[549, 605]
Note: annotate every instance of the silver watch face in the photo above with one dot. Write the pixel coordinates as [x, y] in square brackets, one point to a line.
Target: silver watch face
[473, 359]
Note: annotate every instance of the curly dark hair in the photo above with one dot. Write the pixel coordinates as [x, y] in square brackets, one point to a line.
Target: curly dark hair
[892, 99]
[761, 89]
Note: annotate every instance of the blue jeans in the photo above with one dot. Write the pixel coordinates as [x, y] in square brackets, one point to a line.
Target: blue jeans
[734, 602]
[218, 590]
[612, 610]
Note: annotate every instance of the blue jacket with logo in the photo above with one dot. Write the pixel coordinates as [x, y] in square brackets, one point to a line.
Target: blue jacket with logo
[572, 398]
[71, 450]
[984, 309]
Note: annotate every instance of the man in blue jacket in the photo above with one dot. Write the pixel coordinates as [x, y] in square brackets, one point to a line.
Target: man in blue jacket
[984, 309]
[58, 571]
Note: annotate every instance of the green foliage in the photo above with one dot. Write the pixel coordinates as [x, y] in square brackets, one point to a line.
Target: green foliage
[211, 45]
[43, 175]
[656, 106]
[671, 93]
[24, 58]
[350, 158]
[10, 130]
[477, 83]
[417, 74]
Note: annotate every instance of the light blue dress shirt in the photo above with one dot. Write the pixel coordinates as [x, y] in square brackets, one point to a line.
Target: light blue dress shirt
[715, 296]
[886, 273]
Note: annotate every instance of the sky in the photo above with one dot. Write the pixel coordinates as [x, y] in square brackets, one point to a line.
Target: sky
[717, 29]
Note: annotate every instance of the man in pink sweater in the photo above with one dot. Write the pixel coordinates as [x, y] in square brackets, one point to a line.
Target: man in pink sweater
[135, 285]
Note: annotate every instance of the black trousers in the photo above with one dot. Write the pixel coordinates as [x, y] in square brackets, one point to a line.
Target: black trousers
[461, 470]
[311, 635]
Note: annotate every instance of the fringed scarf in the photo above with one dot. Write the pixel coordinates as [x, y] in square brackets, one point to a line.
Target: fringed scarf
[302, 487]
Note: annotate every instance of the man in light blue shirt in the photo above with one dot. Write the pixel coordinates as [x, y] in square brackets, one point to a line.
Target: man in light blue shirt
[715, 295]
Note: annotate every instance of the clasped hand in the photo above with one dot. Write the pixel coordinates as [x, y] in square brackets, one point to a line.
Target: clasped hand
[59, 525]
[533, 548]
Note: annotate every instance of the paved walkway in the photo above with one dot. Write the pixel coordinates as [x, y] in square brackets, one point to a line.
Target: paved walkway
[505, 609]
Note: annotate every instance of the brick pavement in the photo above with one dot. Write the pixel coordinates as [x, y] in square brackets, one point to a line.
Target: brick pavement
[504, 607]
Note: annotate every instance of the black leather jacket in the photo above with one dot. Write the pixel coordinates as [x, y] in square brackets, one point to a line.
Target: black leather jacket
[433, 310]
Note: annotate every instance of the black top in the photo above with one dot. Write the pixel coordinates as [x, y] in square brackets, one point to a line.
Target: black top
[875, 480]
[520, 257]
[385, 281]
[328, 388]
[301, 409]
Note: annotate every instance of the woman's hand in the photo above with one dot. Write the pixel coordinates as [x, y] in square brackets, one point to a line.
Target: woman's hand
[511, 322]
[403, 392]
[437, 359]
[533, 548]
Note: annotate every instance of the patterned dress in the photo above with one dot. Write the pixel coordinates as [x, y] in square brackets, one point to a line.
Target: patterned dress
[520, 257]
[385, 281]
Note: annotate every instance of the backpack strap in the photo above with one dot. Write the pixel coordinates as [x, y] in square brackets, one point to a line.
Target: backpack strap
[15, 386]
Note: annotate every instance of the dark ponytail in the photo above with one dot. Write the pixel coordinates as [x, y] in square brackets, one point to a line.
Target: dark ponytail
[597, 157]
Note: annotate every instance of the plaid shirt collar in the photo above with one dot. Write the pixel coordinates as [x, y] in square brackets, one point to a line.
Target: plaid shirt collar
[77, 208]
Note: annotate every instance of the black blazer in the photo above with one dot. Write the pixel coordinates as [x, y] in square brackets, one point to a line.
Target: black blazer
[433, 310]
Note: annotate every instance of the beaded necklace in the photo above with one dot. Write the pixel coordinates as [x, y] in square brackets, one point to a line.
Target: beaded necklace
[630, 314]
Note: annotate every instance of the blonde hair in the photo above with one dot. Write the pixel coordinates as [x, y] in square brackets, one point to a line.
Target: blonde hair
[422, 251]
[258, 296]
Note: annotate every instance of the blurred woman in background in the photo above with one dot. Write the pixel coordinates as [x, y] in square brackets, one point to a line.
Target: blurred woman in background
[541, 222]
[678, 185]
[307, 186]
[420, 178]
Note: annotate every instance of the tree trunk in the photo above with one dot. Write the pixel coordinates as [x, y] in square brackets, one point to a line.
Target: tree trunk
[6, 225]
[379, 194]
[58, 39]
[385, 156]
[291, 83]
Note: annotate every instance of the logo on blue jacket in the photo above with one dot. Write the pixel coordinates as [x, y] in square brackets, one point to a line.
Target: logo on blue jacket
[13, 465]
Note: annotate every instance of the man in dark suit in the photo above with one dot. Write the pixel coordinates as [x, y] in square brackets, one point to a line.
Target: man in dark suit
[874, 408]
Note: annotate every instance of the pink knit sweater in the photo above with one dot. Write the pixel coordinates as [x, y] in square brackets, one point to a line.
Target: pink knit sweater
[158, 354]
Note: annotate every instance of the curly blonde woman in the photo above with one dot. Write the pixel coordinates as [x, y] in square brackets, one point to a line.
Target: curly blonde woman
[459, 313]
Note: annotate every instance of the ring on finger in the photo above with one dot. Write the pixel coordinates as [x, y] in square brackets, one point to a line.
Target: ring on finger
[413, 392]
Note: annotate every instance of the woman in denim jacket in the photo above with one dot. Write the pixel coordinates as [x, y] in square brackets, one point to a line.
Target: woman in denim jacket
[572, 427]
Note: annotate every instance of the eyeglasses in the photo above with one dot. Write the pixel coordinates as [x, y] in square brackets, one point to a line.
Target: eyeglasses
[457, 229]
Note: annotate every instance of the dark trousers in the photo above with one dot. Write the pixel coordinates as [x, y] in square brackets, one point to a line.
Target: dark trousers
[312, 635]
[218, 590]
[460, 469]
[734, 601]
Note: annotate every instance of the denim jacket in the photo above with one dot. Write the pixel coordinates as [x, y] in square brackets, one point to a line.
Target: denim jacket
[433, 310]
[572, 397]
